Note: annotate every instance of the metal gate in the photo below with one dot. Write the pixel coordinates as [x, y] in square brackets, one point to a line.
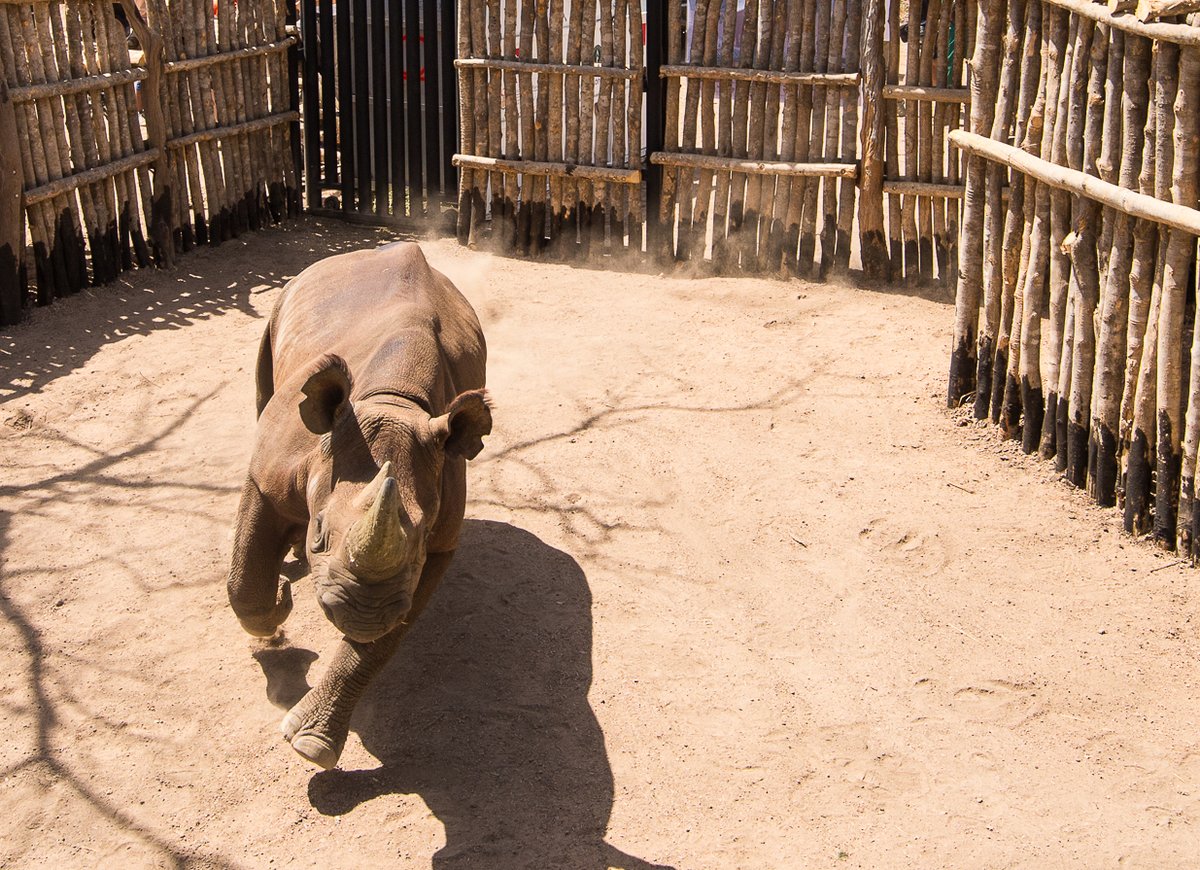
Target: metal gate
[380, 107]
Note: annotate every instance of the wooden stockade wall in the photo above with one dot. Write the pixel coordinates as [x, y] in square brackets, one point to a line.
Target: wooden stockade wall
[1076, 309]
[551, 130]
[101, 185]
[764, 153]
[229, 112]
[764, 166]
[926, 97]
[761, 133]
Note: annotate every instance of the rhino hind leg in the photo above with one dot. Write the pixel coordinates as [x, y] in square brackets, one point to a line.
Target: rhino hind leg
[318, 725]
[261, 539]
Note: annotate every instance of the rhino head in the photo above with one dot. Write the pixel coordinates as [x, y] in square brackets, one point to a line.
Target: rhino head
[374, 488]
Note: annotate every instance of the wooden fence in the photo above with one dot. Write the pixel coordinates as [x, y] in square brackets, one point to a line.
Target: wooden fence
[108, 165]
[763, 165]
[923, 178]
[761, 133]
[551, 132]
[1076, 305]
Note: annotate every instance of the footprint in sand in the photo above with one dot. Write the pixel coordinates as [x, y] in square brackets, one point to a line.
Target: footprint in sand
[863, 762]
[892, 539]
[1001, 702]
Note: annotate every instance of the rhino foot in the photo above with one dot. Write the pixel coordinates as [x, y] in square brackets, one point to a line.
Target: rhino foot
[267, 625]
[303, 728]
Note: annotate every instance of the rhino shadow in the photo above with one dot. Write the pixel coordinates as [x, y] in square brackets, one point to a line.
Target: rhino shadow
[484, 713]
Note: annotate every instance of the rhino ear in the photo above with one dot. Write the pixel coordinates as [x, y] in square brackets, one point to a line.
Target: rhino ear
[326, 391]
[463, 426]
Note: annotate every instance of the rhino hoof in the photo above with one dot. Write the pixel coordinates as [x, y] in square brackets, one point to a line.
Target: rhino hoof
[316, 750]
[311, 746]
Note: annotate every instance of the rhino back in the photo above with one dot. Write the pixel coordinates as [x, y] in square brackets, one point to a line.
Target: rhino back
[398, 323]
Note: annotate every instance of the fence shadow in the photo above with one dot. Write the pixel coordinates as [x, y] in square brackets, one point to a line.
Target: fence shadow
[62, 338]
[484, 713]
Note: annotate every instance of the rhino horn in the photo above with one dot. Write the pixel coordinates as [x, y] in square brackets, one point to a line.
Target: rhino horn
[376, 542]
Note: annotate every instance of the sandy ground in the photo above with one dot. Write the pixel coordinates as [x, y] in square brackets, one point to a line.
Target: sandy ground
[735, 592]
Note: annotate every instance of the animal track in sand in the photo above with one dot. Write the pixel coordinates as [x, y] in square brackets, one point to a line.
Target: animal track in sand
[863, 763]
[894, 540]
[999, 701]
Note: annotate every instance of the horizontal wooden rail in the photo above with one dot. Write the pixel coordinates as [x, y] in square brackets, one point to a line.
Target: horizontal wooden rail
[754, 167]
[1150, 9]
[233, 129]
[67, 87]
[923, 188]
[89, 176]
[1182, 34]
[178, 66]
[922, 92]
[612, 72]
[844, 80]
[538, 167]
[1131, 202]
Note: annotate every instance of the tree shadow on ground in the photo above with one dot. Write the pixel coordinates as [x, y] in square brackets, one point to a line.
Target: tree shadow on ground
[484, 714]
[58, 340]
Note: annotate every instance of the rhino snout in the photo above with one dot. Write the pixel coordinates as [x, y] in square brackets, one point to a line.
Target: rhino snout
[364, 620]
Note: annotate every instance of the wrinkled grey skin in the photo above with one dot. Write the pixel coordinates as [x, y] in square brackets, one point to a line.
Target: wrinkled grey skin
[370, 400]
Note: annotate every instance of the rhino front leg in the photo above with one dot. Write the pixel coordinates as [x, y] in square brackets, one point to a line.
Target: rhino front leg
[318, 725]
[260, 542]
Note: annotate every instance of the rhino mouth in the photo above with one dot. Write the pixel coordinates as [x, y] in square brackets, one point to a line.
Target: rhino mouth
[365, 617]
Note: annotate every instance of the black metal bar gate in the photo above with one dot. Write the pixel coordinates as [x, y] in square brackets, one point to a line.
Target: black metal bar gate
[380, 107]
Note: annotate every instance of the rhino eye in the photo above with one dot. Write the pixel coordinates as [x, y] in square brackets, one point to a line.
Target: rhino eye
[320, 539]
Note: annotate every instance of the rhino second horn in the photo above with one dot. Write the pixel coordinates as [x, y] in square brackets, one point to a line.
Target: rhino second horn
[376, 543]
[370, 492]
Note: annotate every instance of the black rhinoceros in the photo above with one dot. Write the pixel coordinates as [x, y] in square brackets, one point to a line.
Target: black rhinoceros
[370, 400]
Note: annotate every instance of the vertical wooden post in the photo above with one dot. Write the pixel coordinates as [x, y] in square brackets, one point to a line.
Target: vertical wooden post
[848, 187]
[620, 194]
[1108, 381]
[873, 245]
[312, 127]
[802, 124]
[892, 125]
[1186, 189]
[1070, 100]
[634, 113]
[993, 221]
[12, 214]
[816, 145]
[541, 28]
[1090, 53]
[1085, 279]
[483, 110]
[720, 249]
[970, 280]
[466, 112]
[1180, 186]
[159, 219]
[739, 137]
[833, 129]
[526, 22]
[1137, 400]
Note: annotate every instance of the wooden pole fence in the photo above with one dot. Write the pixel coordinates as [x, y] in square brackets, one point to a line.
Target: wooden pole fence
[123, 165]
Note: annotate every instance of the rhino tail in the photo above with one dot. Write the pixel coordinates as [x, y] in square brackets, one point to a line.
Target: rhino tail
[264, 371]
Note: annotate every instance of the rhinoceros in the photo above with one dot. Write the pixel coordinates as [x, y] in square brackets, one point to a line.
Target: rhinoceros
[370, 382]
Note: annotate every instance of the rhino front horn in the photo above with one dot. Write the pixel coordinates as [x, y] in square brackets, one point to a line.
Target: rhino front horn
[376, 543]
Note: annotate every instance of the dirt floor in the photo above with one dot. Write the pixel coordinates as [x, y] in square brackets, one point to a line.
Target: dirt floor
[735, 592]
